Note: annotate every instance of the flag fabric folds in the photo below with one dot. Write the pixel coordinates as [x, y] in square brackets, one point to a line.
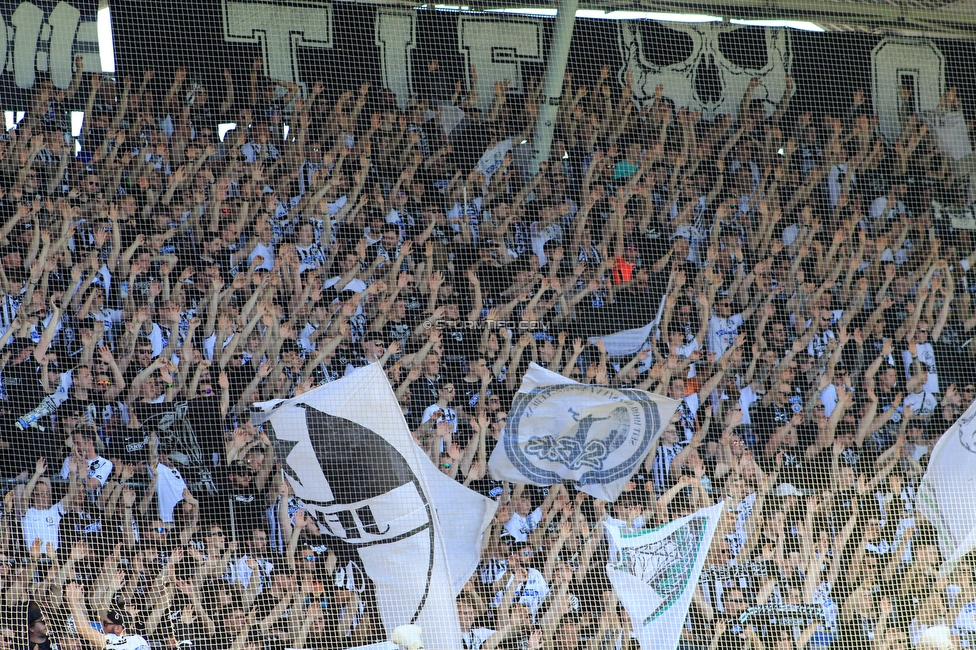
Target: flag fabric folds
[626, 342]
[654, 573]
[948, 489]
[361, 475]
[561, 430]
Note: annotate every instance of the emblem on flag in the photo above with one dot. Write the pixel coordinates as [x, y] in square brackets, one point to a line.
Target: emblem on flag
[560, 430]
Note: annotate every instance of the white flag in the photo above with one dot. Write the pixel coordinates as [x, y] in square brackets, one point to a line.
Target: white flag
[626, 342]
[450, 117]
[347, 452]
[561, 430]
[655, 572]
[950, 129]
[492, 159]
[948, 489]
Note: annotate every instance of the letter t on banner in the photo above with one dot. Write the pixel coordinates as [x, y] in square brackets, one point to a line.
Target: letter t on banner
[280, 29]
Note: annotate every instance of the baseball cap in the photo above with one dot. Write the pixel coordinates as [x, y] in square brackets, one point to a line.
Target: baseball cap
[34, 613]
[117, 616]
[788, 490]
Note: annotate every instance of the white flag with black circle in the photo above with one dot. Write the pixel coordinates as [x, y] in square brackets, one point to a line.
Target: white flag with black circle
[561, 430]
[349, 455]
[948, 489]
[655, 573]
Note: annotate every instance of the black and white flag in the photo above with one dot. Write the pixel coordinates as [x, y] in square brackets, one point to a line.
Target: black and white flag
[347, 452]
[947, 490]
[561, 430]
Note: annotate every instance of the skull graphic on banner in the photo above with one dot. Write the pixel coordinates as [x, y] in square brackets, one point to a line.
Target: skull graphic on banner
[715, 74]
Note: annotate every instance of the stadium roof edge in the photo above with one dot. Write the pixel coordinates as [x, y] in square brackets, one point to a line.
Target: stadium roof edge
[935, 19]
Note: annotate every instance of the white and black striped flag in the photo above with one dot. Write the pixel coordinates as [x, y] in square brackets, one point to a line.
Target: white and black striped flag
[347, 452]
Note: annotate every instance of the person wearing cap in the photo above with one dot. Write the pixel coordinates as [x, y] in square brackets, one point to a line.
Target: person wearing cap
[546, 350]
[784, 490]
[37, 628]
[114, 634]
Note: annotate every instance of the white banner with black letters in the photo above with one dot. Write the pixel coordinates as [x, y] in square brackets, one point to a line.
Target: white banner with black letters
[347, 452]
[655, 573]
[561, 430]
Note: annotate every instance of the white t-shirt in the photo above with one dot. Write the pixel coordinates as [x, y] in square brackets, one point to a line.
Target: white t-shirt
[304, 337]
[98, 467]
[965, 623]
[169, 491]
[722, 333]
[922, 403]
[880, 207]
[521, 527]
[829, 397]
[926, 356]
[127, 642]
[539, 237]
[264, 252]
[747, 397]
[160, 339]
[448, 415]
[242, 573]
[43, 525]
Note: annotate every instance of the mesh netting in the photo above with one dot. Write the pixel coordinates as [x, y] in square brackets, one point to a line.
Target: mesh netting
[338, 325]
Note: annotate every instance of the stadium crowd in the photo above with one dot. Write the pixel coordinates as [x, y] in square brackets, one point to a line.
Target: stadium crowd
[812, 315]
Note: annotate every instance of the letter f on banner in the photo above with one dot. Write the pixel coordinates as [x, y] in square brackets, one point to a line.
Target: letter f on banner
[280, 29]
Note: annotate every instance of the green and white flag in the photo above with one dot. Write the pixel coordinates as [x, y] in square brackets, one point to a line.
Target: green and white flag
[655, 572]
